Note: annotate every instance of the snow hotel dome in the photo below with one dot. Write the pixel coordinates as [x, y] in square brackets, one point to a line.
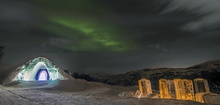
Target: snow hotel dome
[38, 69]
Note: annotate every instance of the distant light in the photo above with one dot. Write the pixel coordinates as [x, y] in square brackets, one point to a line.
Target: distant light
[42, 75]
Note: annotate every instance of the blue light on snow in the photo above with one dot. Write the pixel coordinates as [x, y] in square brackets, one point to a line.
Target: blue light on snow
[38, 69]
[42, 75]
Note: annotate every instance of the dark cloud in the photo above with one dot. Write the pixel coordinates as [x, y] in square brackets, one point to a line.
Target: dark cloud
[17, 16]
[208, 12]
[171, 33]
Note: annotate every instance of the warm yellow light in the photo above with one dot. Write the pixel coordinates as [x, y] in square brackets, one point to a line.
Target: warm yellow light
[167, 89]
[144, 88]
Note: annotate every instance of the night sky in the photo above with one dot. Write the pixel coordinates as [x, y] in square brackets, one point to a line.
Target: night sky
[111, 36]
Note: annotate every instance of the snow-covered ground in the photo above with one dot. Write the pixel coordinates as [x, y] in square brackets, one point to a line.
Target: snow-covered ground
[74, 92]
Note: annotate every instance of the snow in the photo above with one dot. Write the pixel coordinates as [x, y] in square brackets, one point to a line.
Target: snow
[74, 92]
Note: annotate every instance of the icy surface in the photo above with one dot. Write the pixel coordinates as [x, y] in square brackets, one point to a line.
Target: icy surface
[29, 70]
[69, 93]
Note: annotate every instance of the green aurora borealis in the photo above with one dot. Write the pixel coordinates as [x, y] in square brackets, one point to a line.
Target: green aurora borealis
[80, 22]
[110, 35]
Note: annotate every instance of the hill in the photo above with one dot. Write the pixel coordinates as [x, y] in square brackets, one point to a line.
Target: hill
[209, 70]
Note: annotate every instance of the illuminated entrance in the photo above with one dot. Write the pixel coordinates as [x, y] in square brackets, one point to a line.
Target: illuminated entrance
[42, 75]
[38, 69]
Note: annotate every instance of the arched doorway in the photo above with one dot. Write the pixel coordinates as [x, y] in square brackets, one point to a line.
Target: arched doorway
[42, 75]
[39, 72]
